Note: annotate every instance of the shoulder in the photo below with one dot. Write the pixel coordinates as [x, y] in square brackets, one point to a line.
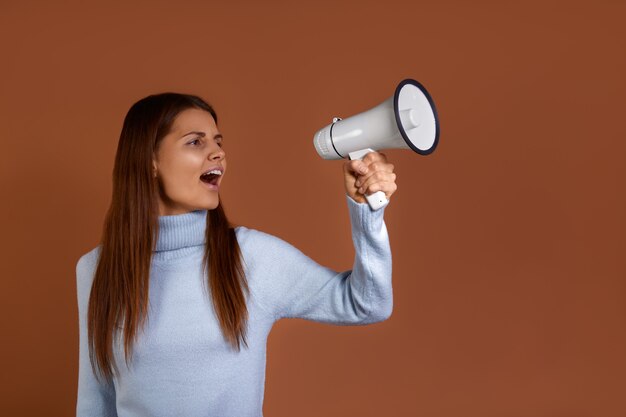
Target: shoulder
[248, 235]
[85, 267]
[88, 260]
[257, 238]
[256, 243]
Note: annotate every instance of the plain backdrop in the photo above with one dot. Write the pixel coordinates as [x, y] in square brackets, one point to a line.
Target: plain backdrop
[508, 242]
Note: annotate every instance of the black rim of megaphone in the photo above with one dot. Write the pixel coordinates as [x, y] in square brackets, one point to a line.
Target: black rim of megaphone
[396, 110]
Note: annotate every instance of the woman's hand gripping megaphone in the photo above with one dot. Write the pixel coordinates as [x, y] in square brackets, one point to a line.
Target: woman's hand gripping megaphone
[365, 176]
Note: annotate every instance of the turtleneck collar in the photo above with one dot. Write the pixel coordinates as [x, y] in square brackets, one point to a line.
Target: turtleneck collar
[180, 231]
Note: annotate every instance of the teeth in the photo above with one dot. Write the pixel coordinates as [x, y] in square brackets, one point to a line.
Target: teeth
[214, 171]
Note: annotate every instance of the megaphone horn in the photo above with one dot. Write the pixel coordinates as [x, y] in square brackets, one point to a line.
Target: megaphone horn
[407, 120]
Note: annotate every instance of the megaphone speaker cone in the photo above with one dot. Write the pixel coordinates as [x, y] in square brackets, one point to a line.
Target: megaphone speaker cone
[416, 116]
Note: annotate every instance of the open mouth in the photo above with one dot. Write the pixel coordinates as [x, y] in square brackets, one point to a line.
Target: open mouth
[211, 178]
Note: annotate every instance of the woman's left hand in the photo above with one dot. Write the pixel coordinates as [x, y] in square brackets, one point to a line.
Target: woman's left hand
[378, 175]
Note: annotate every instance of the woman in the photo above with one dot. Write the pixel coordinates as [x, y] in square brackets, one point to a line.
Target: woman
[184, 301]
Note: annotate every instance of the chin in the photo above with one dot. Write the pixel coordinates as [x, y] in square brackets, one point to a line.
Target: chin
[210, 205]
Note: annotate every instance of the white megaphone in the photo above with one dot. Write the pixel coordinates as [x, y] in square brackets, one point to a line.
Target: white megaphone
[407, 120]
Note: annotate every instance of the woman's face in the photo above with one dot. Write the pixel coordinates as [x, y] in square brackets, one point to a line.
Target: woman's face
[193, 147]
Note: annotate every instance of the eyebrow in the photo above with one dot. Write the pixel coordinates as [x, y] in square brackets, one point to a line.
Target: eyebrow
[202, 134]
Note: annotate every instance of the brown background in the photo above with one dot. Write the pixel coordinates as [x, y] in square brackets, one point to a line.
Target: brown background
[508, 241]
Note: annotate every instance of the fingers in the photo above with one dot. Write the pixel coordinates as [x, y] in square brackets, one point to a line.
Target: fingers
[374, 156]
[371, 174]
[387, 187]
[362, 167]
[356, 167]
[373, 169]
[377, 181]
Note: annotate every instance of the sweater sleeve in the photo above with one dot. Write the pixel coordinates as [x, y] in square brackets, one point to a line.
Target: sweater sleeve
[95, 399]
[299, 287]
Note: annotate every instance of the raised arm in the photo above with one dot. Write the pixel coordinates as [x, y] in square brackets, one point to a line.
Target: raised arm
[94, 398]
[296, 286]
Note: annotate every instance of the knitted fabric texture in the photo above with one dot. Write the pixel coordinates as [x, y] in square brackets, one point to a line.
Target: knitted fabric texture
[182, 365]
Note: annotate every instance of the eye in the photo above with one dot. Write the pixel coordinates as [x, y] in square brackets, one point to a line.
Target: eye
[195, 140]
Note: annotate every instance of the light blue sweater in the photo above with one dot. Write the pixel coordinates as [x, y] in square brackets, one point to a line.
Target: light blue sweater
[182, 365]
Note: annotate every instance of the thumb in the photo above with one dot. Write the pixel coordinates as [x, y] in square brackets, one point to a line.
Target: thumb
[356, 167]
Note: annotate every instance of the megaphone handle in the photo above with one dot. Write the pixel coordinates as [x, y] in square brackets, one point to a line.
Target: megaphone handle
[378, 199]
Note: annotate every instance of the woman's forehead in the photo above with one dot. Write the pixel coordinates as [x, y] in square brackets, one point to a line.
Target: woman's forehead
[194, 119]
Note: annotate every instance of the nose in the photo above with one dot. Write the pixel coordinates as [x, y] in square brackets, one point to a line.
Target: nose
[217, 153]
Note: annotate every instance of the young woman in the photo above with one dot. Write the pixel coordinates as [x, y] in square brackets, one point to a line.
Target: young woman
[175, 305]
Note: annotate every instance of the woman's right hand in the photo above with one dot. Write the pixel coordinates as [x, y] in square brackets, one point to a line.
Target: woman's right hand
[368, 175]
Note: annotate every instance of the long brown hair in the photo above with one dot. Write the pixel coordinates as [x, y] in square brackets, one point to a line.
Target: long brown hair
[119, 293]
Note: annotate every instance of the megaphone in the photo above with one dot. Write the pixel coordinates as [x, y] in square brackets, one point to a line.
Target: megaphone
[407, 120]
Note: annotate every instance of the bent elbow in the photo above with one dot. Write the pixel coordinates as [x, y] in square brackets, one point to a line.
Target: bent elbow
[380, 314]
[386, 313]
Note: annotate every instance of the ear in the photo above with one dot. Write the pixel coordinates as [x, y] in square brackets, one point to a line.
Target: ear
[154, 168]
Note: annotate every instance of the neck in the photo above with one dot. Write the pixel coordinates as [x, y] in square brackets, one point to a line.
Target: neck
[180, 232]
